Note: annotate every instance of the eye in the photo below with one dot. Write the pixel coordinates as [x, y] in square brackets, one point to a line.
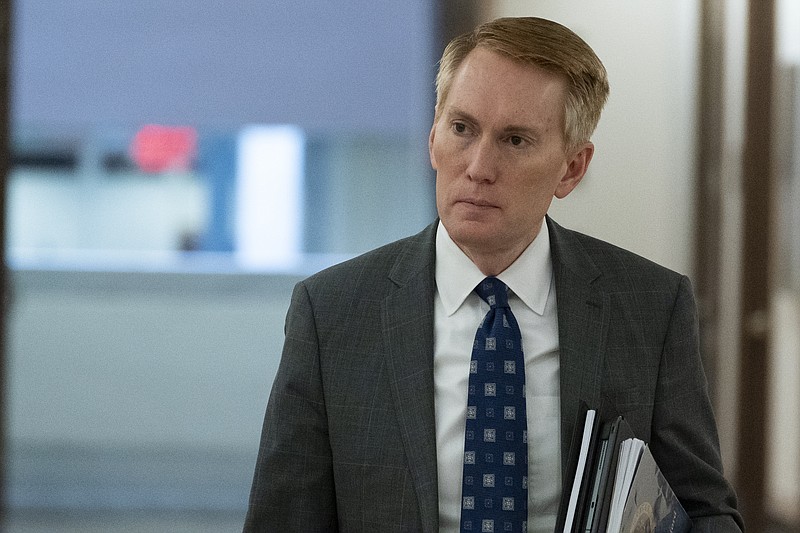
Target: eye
[516, 140]
[459, 127]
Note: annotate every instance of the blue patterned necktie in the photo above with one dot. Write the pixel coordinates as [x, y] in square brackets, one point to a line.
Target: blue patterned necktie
[495, 480]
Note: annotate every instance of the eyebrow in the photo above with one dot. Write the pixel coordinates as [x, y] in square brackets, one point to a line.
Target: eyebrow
[511, 128]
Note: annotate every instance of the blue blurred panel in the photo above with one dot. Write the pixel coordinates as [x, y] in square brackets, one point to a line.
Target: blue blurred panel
[356, 65]
[217, 162]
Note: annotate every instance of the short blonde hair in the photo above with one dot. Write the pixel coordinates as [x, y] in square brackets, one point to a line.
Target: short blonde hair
[544, 44]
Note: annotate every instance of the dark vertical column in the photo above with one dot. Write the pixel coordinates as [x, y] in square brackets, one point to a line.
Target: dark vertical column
[456, 17]
[708, 171]
[756, 263]
[5, 164]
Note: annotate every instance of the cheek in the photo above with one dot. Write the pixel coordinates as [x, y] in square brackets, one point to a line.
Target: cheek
[441, 196]
[543, 178]
[448, 152]
[444, 185]
[440, 153]
[536, 188]
[446, 163]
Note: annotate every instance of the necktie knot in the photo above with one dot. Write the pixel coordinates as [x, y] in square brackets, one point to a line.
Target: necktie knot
[493, 291]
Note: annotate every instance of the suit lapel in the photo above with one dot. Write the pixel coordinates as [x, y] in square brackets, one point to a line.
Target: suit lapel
[407, 323]
[582, 328]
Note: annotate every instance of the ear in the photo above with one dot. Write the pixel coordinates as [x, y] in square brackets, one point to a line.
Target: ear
[576, 169]
[430, 146]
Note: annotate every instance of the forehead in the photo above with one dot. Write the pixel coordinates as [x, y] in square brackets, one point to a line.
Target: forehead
[498, 87]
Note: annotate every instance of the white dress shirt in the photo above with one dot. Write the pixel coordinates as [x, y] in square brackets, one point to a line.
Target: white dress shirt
[457, 313]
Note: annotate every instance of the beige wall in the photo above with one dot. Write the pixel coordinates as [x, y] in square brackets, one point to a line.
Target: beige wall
[638, 192]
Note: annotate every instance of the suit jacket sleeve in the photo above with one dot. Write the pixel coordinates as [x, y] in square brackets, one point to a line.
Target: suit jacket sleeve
[684, 439]
[293, 483]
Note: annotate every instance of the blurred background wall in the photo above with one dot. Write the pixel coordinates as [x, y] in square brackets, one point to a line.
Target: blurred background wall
[141, 340]
[145, 325]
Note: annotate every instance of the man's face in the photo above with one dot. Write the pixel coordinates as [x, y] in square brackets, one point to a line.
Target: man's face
[499, 155]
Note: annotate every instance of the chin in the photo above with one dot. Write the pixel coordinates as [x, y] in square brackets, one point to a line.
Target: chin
[472, 234]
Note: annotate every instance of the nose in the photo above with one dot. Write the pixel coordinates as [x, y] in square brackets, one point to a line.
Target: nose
[483, 160]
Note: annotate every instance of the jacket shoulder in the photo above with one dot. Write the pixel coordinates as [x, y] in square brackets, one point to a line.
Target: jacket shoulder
[575, 250]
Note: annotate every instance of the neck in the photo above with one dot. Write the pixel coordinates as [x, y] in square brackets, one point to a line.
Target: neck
[493, 262]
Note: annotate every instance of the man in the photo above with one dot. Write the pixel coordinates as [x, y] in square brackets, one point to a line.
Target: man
[365, 427]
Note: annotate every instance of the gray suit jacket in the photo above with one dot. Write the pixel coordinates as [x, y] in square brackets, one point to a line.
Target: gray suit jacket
[349, 443]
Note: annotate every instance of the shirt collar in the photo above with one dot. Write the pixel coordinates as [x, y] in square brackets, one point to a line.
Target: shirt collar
[529, 277]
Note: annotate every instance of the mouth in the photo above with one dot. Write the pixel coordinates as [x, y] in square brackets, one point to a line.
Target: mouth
[476, 202]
